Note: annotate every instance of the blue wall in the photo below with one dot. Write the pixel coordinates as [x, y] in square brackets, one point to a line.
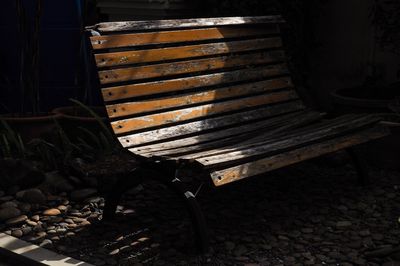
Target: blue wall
[60, 60]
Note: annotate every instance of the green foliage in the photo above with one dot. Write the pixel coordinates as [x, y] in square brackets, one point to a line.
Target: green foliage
[61, 149]
[29, 57]
[11, 144]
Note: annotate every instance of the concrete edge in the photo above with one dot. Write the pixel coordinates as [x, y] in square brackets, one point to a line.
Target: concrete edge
[19, 252]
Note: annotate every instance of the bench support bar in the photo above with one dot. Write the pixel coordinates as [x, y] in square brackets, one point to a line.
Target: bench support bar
[176, 185]
[360, 166]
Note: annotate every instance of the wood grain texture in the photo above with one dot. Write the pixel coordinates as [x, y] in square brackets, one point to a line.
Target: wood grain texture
[107, 27]
[234, 136]
[260, 166]
[143, 106]
[207, 124]
[169, 37]
[274, 146]
[132, 124]
[200, 81]
[190, 66]
[182, 52]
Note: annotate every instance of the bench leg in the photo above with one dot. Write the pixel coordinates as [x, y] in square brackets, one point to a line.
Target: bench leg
[114, 196]
[360, 165]
[196, 215]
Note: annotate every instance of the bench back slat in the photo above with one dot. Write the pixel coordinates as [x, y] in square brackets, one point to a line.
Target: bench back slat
[177, 85]
[169, 37]
[182, 52]
[190, 66]
[107, 27]
[162, 77]
[171, 117]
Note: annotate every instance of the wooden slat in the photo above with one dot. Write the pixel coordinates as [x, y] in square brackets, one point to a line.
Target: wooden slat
[190, 66]
[264, 138]
[183, 52]
[127, 125]
[276, 146]
[145, 5]
[152, 88]
[138, 39]
[182, 23]
[131, 108]
[231, 136]
[239, 172]
[208, 124]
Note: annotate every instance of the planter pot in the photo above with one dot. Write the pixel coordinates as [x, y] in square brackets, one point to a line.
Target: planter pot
[364, 100]
[73, 117]
[385, 152]
[32, 127]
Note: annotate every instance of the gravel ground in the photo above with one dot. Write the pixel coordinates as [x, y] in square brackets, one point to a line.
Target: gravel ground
[309, 214]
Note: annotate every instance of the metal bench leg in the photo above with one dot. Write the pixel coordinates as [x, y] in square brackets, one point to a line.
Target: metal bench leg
[196, 215]
[114, 196]
[360, 165]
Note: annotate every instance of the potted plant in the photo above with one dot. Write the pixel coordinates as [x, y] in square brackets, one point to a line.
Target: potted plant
[30, 122]
[378, 91]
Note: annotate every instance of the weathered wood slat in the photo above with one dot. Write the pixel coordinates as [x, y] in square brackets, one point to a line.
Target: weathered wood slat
[128, 125]
[233, 136]
[183, 52]
[143, 106]
[220, 133]
[239, 172]
[182, 23]
[209, 123]
[164, 37]
[190, 66]
[153, 88]
[138, 5]
[276, 146]
[264, 138]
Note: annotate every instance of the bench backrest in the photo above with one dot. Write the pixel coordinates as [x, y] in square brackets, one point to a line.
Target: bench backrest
[169, 78]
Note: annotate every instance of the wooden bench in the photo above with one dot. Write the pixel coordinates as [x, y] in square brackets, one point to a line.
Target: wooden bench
[214, 95]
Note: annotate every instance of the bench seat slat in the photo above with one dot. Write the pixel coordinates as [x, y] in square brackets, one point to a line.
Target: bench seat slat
[165, 118]
[137, 107]
[182, 52]
[276, 146]
[270, 163]
[231, 136]
[198, 127]
[265, 138]
[182, 23]
[190, 66]
[180, 84]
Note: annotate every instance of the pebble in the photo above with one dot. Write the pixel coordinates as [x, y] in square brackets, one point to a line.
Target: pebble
[17, 220]
[229, 245]
[79, 195]
[17, 233]
[35, 218]
[62, 208]
[8, 213]
[343, 224]
[51, 212]
[240, 250]
[34, 196]
[25, 207]
[8, 204]
[114, 252]
[46, 243]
